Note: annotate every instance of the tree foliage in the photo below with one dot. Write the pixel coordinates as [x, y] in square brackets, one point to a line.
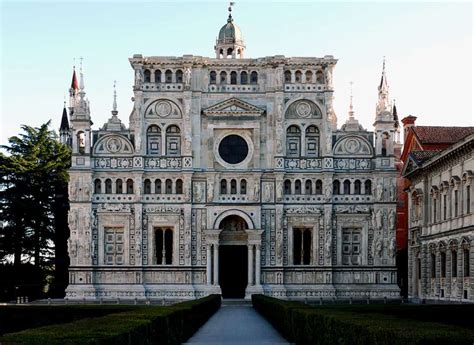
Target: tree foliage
[33, 197]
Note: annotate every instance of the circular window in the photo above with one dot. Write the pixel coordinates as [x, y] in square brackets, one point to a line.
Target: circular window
[233, 149]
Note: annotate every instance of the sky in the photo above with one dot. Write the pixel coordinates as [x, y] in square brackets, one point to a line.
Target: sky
[427, 45]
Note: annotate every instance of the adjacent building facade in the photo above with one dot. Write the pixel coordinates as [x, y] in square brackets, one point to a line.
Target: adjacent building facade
[232, 177]
[440, 217]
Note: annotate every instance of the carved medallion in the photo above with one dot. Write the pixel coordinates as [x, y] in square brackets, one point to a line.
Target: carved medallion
[303, 109]
[114, 145]
[163, 109]
[352, 145]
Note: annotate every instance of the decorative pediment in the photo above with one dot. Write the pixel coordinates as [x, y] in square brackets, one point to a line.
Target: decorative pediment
[113, 145]
[303, 109]
[410, 166]
[352, 146]
[233, 107]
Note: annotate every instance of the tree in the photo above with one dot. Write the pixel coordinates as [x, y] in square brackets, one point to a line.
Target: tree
[34, 200]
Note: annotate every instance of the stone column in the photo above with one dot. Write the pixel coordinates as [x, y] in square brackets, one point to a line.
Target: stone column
[257, 265]
[250, 264]
[216, 264]
[208, 265]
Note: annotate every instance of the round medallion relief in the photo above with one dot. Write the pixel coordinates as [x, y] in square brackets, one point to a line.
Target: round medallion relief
[163, 109]
[113, 145]
[352, 146]
[303, 109]
[233, 149]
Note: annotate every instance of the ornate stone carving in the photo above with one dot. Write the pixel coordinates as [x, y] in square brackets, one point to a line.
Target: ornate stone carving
[303, 210]
[352, 209]
[187, 77]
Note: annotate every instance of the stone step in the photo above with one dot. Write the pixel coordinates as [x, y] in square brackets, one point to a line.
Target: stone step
[236, 301]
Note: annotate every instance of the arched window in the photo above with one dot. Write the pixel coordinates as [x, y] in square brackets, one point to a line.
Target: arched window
[118, 186]
[293, 140]
[147, 76]
[336, 187]
[287, 76]
[157, 76]
[287, 188]
[168, 76]
[368, 187]
[233, 186]
[153, 137]
[223, 76]
[297, 187]
[466, 262]
[319, 77]
[243, 186]
[319, 187]
[443, 264]
[433, 265]
[147, 186]
[129, 186]
[108, 186]
[229, 52]
[81, 142]
[233, 77]
[357, 186]
[168, 186]
[179, 186]
[309, 77]
[158, 186]
[347, 187]
[173, 141]
[164, 246]
[454, 263]
[308, 187]
[179, 76]
[97, 186]
[212, 77]
[253, 78]
[223, 186]
[312, 141]
[298, 76]
[243, 78]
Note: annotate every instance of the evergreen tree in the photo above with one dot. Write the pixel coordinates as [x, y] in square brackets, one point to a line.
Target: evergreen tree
[34, 200]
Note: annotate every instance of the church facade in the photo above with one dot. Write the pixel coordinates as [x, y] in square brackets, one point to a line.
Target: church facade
[232, 177]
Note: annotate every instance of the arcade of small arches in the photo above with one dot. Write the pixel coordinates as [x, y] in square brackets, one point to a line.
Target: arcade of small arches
[315, 187]
[230, 53]
[233, 78]
[233, 186]
[113, 186]
[169, 76]
[309, 77]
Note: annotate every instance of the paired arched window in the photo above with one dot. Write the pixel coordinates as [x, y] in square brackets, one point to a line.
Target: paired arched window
[97, 186]
[233, 78]
[168, 76]
[179, 186]
[147, 186]
[243, 78]
[319, 77]
[129, 186]
[243, 186]
[298, 77]
[233, 186]
[357, 187]
[179, 76]
[223, 186]
[309, 77]
[147, 76]
[368, 187]
[336, 187]
[287, 76]
[287, 187]
[212, 77]
[119, 186]
[168, 186]
[347, 187]
[158, 189]
[293, 138]
[253, 78]
[223, 77]
[297, 187]
[308, 187]
[108, 186]
[153, 137]
[157, 76]
[319, 187]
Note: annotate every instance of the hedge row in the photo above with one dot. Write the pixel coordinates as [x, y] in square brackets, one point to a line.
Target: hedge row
[302, 324]
[17, 318]
[142, 326]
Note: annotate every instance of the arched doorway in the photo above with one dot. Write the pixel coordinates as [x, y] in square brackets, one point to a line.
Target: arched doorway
[233, 262]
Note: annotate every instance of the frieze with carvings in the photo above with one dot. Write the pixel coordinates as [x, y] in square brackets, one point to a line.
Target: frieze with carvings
[303, 210]
[163, 209]
[304, 163]
[113, 208]
[352, 209]
[164, 163]
[113, 163]
[357, 164]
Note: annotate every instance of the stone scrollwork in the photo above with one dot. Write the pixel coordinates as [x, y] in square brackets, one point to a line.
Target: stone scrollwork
[303, 210]
[352, 209]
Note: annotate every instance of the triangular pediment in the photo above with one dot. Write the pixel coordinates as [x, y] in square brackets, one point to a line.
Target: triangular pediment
[410, 166]
[233, 107]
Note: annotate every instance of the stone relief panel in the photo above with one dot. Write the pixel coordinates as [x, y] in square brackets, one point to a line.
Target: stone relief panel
[269, 238]
[199, 191]
[303, 109]
[113, 144]
[163, 109]
[80, 188]
[352, 146]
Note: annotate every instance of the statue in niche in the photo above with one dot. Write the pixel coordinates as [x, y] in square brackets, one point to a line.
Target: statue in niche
[279, 146]
[379, 219]
[268, 192]
[138, 245]
[391, 220]
[94, 249]
[138, 77]
[187, 109]
[391, 247]
[187, 190]
[210, 191]
[197, 192]
[187, 76]
[73, 189]
[374, 220]
[256, 190]
[279, 190]
[329, 142]
[279, 114]
[328, 76]
[327, 190]
[378, 247]
[72, 219]
[328, 246]
[72, 248]
[379, 190]
[187, 143]
[87, 190]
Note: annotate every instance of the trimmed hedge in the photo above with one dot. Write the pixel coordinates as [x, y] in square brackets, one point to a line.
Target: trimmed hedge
[302, 324]
[142, 325]
[17, 318]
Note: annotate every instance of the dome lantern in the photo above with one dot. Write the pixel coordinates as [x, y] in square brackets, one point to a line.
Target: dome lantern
[230, 42]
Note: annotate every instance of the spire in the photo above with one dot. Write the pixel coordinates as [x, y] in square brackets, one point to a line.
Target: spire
[114, 104]
[230, 42]
[64, 121]
[383, 103]
[395, 115]
[351, 106]
[81, 74]
[74, 83]
[230, 19]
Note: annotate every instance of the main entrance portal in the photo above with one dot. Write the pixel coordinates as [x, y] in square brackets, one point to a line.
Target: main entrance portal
[233, 270]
